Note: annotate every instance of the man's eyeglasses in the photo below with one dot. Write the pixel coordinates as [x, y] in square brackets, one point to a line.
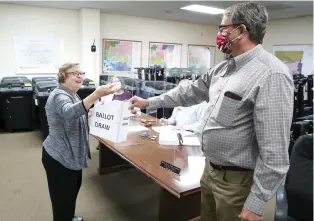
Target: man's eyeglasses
[77, 73]
[224, 27]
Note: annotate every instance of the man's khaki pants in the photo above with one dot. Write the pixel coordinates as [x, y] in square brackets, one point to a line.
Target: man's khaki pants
[224, 193]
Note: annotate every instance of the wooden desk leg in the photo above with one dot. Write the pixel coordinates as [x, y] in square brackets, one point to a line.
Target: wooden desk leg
[109, 162]
[172, 208]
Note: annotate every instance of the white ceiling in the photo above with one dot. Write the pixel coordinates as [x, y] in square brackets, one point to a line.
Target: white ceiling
[170, 10]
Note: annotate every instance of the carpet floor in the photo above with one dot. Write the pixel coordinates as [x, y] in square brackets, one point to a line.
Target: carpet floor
[124, 196]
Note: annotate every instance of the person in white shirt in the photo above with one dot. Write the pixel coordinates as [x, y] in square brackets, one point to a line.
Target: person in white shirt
[186, 118]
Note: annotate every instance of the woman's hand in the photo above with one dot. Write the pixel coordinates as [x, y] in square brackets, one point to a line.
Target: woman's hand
[105, 90]
[101, 91]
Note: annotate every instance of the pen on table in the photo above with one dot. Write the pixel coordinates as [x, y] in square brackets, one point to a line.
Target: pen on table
[179, 135]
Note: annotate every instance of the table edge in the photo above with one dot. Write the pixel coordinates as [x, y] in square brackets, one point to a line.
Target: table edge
[171, 190]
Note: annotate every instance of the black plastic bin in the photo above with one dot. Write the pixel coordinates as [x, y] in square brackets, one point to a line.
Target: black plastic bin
[87, 88]
[42, 92]
[103, 79]
[35, 80]
[156, 88]
[16, 103]
[14, 78]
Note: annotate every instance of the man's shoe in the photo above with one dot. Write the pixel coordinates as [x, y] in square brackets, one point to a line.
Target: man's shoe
[77, 218]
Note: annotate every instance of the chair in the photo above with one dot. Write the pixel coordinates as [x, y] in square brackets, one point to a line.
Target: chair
[294, 200]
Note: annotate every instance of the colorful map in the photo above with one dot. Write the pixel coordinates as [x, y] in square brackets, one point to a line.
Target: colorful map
[164, 55]
[298, 58]
[199, 57]
[293, 59]
[117, 55]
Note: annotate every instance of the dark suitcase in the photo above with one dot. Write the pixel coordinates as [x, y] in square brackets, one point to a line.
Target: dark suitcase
[35, 80]
[16, 103]
[14, 78]
[42, 92]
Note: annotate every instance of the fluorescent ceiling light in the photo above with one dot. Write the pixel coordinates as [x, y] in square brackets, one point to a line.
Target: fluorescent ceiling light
[203, 9]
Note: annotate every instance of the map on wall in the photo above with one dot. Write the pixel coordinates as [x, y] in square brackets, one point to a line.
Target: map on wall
[200, 56]
[37, 55]
[121, 55]
[164, 55]
[299, 58]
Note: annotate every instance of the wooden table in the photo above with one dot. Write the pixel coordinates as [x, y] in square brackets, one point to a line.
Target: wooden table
[179, 195]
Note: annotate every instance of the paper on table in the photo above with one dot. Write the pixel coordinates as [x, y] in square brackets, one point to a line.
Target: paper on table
[191, 141]
[137, 128]
[160, 129]
[170, 138]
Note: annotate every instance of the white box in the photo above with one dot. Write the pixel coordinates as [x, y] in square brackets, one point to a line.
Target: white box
[111, 120]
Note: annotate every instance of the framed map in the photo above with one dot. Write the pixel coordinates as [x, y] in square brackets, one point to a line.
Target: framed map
[299, 58]
[121, 55]
[37, 55]
[201, 56]
[164, 55]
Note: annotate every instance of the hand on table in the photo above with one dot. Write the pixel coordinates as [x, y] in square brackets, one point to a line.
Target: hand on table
[247, 215]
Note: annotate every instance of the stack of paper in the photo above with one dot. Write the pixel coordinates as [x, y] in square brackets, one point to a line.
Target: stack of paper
[168, 138]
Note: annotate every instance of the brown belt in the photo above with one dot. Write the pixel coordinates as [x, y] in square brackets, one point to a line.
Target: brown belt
[232, 168]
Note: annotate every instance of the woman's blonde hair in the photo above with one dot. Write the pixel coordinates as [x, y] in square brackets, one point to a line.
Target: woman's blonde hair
[62, 74]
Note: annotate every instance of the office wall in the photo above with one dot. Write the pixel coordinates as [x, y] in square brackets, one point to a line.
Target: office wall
[289, 31]
[34, 21]
[37, 21]
[155, 30]
[65, 24]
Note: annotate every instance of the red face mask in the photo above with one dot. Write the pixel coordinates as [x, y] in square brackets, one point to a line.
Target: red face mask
[223, 43]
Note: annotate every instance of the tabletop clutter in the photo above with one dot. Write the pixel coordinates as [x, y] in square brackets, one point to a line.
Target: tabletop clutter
[111, 121]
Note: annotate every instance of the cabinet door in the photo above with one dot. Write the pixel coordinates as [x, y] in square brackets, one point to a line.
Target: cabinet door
[18, 112]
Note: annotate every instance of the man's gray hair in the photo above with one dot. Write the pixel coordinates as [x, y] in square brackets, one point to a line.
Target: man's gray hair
[253, 15]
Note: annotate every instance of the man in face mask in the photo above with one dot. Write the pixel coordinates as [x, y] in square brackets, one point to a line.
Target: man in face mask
[246, 128]
[233, 39]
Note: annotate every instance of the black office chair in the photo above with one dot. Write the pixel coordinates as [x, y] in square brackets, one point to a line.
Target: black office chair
[294, 200]
[300, 128]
